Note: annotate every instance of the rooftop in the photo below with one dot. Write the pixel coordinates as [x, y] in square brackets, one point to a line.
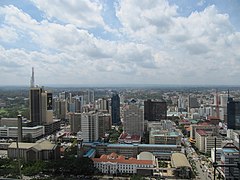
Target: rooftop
[179, 160]
[230, 150]
[43, 145]
[115, 158]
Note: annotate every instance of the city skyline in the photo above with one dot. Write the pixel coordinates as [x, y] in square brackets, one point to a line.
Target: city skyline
[120, 42]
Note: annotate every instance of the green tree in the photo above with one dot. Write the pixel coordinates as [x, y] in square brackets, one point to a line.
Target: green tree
[31, 169]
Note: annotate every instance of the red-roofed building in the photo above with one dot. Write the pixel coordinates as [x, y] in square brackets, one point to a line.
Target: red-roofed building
[117, 164]
[129, 139]
[205, 140]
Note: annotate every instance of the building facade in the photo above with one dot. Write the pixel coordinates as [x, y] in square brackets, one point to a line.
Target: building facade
[233, 114]
[155, 110]
[133, 122]
[89, 126]
[115, 109]
[118, 164]
[43, 150]
[75, 122]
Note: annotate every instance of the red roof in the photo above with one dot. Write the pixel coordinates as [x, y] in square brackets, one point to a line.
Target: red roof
[126, 136]
[201, 132]
[114, 158]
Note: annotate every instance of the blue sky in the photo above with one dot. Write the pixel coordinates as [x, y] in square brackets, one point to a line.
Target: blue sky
[120, 42]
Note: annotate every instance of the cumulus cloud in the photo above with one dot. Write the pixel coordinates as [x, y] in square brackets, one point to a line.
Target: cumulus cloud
[157, 45]
[83, 14]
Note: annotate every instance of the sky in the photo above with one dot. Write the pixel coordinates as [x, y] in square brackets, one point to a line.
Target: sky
[106, 42]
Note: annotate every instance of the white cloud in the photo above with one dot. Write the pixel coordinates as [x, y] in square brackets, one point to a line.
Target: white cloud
[159, 45]
[8, 34]
[83, 14]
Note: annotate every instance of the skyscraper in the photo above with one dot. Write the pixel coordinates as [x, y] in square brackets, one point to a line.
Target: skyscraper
[115, 109]
[233, 114]
[35, 106]
[155, 110]
[89, 126]
[41, 110]
[133, 121]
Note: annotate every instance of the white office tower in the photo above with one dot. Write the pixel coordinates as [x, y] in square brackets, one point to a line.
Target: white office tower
[122, 98]
[47, 111]
[223, 100]
[133, 121]
[180, 103]
[89, 126]
[90, 97]
[102, 105]
[75, 104]
[202, 111]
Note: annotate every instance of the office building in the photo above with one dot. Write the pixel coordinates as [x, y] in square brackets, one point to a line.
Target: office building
[155, 110]
[36, 105]
[89, 126]
[164, 137]
[61, 108]
[233, 114]
[41, 107]
[133, 122]
[104, 124]
[35, 132]
[192, 102]
[205, 140]
[230, 156]
[115, 109]
[75, 103]
[203, 126]
[75, 122]
[102, 105]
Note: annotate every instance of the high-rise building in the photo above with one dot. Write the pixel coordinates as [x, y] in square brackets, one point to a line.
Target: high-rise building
[133, 121]
[61, 108]
[233, 114]
[36, 105]
[115, 109]
[155, 110]
[89, 126]
[41, 106]
[192, 102]
[75, 122]
[90, 97]
[104, 124]
[41, 111]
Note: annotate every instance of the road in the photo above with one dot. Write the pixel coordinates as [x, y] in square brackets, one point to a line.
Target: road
[203, 173]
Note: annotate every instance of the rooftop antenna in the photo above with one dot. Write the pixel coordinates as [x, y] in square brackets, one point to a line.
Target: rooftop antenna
[32, 79]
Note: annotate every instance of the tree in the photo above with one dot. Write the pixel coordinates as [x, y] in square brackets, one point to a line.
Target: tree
[31, 169]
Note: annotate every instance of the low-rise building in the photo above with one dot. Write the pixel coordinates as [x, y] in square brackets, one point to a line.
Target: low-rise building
[118, 164]
[161, 151]
[164, 137]
[43, 150]
[12, 132]
[129, 139]
[205, 140]
[182, 167]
